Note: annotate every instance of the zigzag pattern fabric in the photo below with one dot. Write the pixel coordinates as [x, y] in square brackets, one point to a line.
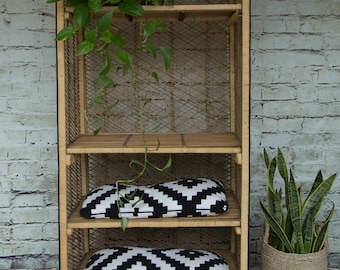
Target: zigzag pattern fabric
[137, 258]
[182, 198]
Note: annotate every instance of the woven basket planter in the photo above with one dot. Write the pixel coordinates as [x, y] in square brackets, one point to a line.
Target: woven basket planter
[273, 259]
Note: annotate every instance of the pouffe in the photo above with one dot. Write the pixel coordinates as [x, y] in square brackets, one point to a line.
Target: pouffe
[139, 258]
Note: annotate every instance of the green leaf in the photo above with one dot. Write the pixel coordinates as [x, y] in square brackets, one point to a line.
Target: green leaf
[276, 227]
[94, 5]
[313, 201]
[271, 172]
[96, 132]
[151, 27]
[123, 223]
[107, 66]
[318, 180]
[151, 49]
[295, 211]
[155, 76]
[281, 165]
[98, 100]
[81, 15]
[168, 164]
[266, 158]
[52, 1]
[91, 35]
[106, 36]
[105, 82]
[308, 235]
[65, 33]
[322, 236]
[132, 8]
[85, 48]
[124, 56]
[118, 40]
[166, 56]
[104, 22]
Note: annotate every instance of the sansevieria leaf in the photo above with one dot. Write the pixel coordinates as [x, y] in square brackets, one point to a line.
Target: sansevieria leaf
[313, 200]
[321, 237]
[276, 227]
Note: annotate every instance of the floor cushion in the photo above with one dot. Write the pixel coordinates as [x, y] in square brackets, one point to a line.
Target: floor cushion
[138, 258]
[182, 198]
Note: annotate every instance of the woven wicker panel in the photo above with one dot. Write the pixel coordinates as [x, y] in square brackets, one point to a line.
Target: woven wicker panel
[197, 238]
[105, 169]
[72, 90]
[193, 96]
[238, 78]
[75, 249]
[74, 188]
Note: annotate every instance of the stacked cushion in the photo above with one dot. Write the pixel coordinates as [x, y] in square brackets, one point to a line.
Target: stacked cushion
[182, 198]
[137, 258]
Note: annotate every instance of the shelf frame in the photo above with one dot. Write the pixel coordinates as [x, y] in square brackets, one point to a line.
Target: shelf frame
[158, 143]
[171, 13]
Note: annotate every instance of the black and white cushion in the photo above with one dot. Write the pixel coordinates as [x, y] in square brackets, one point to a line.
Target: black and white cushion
[183, 198]
[138, 258]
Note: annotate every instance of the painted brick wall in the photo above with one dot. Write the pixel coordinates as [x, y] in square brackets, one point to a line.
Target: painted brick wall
[295, 83]
[28, 136]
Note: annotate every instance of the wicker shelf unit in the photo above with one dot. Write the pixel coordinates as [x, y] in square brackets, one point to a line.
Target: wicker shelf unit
[205, 95]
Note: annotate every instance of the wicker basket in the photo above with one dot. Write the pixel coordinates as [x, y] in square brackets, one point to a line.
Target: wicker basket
[273, 259]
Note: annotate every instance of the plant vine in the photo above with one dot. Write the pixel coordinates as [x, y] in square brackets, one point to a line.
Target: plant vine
[106, 40]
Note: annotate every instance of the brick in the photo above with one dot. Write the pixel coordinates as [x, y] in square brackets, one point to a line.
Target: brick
[288, 59]
[42, 137]
[5, 200]
[19, 248]
[31, 184]
[23, 7]
[28, 200]
[282, 24]
[310, 8]
[275, 8]
[35, 215]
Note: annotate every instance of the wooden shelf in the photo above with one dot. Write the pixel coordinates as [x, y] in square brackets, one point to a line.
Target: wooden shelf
[226, 254]
[230, 218]
[215, 12]
[167, 142]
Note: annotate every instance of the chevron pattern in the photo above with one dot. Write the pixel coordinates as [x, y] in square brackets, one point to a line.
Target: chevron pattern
[182, 198]
[138, 258]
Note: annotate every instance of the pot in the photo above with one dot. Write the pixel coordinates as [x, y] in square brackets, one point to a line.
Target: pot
[273, 259]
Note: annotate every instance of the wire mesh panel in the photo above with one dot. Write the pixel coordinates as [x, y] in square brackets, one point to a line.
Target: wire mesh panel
[199, 238]
[105, 169]
[193, 96]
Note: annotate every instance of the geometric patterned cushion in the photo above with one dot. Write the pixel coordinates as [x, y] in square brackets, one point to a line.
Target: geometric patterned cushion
[137, 258]
[182, 198]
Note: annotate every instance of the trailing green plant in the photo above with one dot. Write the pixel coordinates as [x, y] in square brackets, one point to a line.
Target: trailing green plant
[104, 38]
[292, 221]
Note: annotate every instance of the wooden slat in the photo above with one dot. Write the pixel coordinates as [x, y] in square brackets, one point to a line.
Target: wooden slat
[215, 12]
[168, 143]
[231, 218]
[226, 254]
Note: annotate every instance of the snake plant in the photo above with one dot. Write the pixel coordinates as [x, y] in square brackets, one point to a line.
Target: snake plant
[292, 220]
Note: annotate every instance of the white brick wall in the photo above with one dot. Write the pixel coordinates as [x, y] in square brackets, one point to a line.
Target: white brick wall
[28, 136]
[295, 73]
[295, 105]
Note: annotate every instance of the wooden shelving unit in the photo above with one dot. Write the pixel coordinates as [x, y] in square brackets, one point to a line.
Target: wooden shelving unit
[207, 131]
